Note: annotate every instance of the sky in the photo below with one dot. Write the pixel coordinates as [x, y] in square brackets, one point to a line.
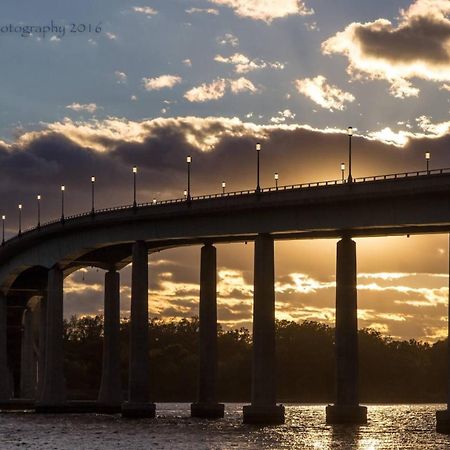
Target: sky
[93, 88]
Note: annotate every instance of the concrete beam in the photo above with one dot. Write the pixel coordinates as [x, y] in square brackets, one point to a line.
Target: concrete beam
[28, 362]
[5, 377]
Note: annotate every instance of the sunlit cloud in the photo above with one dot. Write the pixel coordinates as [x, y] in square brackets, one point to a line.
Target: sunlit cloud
[282, 116]
[243, 64]
[161, 82]
[212, 11]
[326, 95]
[87, 107]
[416, 47]
[121, 77]
[187, 62]
[228, 39]
[217, 89]
[147, 10]
[265, 10]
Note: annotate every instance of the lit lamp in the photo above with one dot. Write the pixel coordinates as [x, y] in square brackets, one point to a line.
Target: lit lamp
[134, 186]
[350, 134]
[38, 198]
[223, 187]
[185, 193]
[427, 158]
[258, 149]
[276, 180]
[93, 194]
[3, 229]
[63, 188]
[188, 161]
[343, 171]
[154, 201]
[20, 219]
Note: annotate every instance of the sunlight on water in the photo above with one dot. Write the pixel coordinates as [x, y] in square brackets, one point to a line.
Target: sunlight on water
[389, 427]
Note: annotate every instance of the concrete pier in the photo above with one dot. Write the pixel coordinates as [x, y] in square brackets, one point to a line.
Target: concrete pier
[42, 311]
[207, 406]
[5, 378]
[443, 417]
[28, 360]
[53, 396]
[138, 404]
[263, 408]
[346, 408]
[110, 394]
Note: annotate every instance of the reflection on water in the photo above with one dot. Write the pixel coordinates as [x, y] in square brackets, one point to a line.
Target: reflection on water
[389, 427]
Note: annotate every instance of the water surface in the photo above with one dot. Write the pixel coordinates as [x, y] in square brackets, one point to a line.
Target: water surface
[389, 427]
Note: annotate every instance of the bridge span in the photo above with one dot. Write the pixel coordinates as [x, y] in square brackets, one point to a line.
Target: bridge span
[34, 263]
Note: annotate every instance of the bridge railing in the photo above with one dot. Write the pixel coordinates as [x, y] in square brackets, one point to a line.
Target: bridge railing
[341, 181]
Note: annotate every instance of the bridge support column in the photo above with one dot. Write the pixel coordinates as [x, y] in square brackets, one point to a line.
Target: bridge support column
[346, 408]
[443, 417]
[110, 394]
[53, 398]
[263, 408]
[5, 377]
[138, 404]
[28, 362]
[41, 357]
[207, 406]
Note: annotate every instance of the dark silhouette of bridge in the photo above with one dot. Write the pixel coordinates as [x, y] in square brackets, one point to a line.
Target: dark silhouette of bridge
[33, 265]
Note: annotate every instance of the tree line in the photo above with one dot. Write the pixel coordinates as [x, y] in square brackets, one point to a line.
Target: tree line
[390, 370]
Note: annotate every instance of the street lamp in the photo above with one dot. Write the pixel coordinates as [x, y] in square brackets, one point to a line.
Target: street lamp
[427, 157]
[3, 229]
[93, 194]
[154, 201]
[223, 187]
[63, 188]
[134, 186]
[350, 134]
[258, 149]
[20, 219]
[343, 171]
[38, 198]
[188, 160]
[185, 193]
[276, 180]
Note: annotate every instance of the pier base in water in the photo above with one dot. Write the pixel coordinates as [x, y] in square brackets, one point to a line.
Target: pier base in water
[343, 414]
[443, 421]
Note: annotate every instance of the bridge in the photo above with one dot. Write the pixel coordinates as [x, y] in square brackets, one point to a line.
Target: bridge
[34, 263]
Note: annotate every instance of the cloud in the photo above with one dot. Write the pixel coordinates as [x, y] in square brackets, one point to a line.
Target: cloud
[212, 11]
[187, 62]
[265, 10]
[418, 46]
[326, 95]
[242, 64]
[282, 116]
[207, 91]
[121, 77]
[88, 107]
[147, 10]
[111, 36]
[217, 89]
[161, 82]
[228, 39]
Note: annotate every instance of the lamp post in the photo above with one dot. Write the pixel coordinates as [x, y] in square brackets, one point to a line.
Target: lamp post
[93, 194]
[224, 185]
[427, 158]
[188, 161]
[3, 229]
[350, 134]
[258, 149]
[185, 193]
[63, 188]
[134, 186]
[154, 201]
[343, 171]
[276, 180]
[20, 219]
[38, 199]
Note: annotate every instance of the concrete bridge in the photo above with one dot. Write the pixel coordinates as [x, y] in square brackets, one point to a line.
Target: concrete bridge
[34, 263]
